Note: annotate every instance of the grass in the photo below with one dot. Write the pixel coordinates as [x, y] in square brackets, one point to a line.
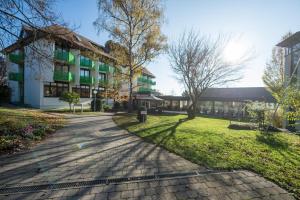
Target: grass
[20, 128]
[210, 142]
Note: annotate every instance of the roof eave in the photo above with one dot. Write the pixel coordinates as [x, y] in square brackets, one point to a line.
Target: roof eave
[290, 41]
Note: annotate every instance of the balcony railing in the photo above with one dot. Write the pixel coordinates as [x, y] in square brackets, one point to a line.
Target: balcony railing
[86, 62]
[17, 58]
[63, 76]
[15, 76]
[87, 80]
[145, 80]
[145, 90]
[65, 56]
[106, 68]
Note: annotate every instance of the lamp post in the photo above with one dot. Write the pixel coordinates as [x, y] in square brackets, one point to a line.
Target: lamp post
[95, 92]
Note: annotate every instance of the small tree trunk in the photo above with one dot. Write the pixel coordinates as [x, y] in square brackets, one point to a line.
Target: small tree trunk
[70, 106]
[130, 106]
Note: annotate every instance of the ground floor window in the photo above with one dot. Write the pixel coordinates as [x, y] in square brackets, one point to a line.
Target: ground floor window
[55, 89]
[82, 90]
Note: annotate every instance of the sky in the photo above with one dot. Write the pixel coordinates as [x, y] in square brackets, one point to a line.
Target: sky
[254, 25]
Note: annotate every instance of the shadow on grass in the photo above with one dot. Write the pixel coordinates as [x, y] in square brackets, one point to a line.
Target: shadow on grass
[272, 141]
[169, 132]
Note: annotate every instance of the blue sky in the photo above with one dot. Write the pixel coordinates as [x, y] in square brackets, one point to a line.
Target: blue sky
[254, 24]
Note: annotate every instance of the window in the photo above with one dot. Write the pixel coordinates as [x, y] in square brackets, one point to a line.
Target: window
[61, 49]
[82, 90]
[62, 68]
[56, 89]
[84, 73]
[102, 76]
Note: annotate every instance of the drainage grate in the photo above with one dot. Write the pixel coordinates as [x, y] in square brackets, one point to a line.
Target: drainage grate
[33, 188]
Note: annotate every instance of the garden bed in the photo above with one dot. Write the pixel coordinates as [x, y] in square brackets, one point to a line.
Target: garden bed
[21, 128]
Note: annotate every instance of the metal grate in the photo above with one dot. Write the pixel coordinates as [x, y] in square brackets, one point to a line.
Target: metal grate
[33, 188]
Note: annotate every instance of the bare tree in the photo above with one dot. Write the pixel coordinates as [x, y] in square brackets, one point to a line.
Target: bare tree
[14, 14]
[198, 63]
[135, 24]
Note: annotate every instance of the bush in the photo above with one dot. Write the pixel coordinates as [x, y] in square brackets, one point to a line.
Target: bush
[9, 142]
[117, 106]
[278, 118]
[242, 127]
[4, 94]
[12, 127]
[107, 108]
[70, 97]
[98, 105]
[125, 105]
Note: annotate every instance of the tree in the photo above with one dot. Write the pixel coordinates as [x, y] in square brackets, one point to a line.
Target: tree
[198, 63]
[135, 24]
[16, 13]
[71, 98]
[273, 76]
[291, 104]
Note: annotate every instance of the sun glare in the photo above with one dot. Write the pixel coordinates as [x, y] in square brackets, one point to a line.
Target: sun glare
[236, 49]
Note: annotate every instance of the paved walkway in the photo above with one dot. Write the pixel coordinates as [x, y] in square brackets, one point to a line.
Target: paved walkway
[93, 148]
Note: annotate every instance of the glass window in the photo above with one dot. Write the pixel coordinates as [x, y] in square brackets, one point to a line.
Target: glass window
[54, 89]
[84, 72]
[62, 68]
[82, 90]
[102, 76]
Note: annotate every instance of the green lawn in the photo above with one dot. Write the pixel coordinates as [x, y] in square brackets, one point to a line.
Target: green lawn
[20, 128]
[209, 142]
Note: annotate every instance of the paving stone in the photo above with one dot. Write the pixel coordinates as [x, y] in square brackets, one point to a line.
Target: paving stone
[92, 147]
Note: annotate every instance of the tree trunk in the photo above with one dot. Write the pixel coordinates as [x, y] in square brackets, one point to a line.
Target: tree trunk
[70, 106]
[130, 106]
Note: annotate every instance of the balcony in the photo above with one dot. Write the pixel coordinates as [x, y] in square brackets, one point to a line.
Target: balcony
[63, 76]
[145, 80]
[103, 83]
[65, 56]
[15, 76]
[86, 62]
[17, 58]
[87, 80]
[145, 90]
[105, 68]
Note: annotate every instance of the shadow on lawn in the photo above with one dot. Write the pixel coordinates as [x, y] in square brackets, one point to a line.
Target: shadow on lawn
[272, 141]
[169, 132]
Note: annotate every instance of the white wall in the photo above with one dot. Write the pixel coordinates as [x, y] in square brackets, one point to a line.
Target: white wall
[55, 103]
[38, 68]
[14, 85]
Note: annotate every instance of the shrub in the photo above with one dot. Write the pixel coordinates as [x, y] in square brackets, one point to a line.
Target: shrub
[107, 108]
[117, 106]
[125, 105]
[4, 94]
[98, 105]
[70, 97]
[242, 126]
[12, 127]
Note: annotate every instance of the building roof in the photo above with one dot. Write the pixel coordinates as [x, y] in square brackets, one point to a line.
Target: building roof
[174, 98]
[58, 32]
[238, 94]
[146, 72]
[148, 97]
[290, 41]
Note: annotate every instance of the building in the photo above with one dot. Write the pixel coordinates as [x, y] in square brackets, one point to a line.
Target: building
[43, 64]
[291, 63]
[222, 101]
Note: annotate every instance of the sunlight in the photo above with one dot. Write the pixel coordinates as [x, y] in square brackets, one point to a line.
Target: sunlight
[236, 49]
